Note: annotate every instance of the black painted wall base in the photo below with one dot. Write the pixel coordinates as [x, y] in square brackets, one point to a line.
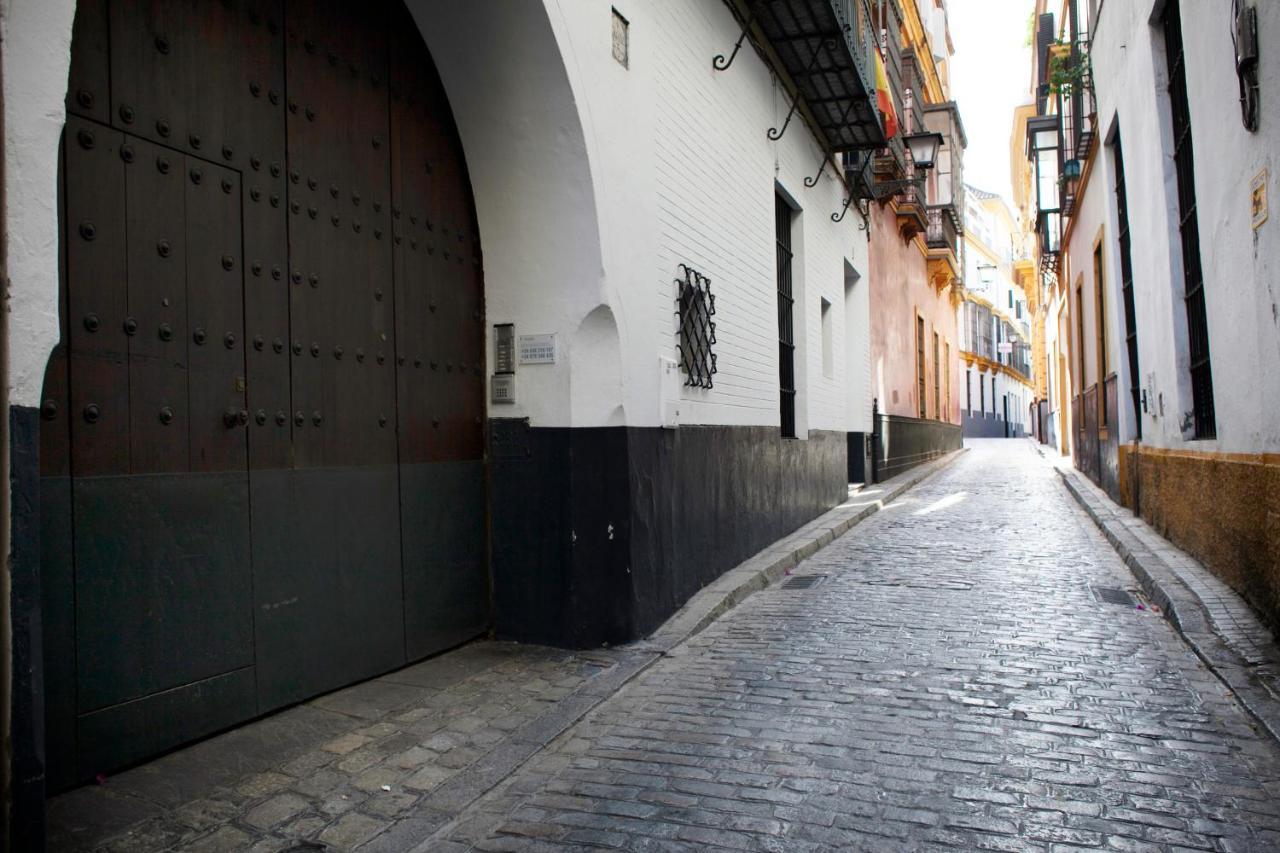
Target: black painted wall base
[859, 450]
[982, 425]
[906, 442]
[27, 766]
[600, 534]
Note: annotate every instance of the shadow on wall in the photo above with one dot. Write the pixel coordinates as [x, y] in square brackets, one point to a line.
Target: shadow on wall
[595, 371]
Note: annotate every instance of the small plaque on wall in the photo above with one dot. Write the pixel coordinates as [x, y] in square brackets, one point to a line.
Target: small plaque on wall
[1258, 199]
[537, 349]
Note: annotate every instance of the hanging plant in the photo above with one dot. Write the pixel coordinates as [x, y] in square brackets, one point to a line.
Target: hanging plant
[1067, 73]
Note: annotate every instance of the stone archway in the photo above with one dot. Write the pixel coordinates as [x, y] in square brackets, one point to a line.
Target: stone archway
[534, 201]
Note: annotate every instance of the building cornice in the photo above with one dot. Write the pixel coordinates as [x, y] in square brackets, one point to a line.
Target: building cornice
[985, 365]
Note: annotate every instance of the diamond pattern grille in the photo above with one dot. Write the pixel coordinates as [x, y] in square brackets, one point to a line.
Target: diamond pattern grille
[696, 305]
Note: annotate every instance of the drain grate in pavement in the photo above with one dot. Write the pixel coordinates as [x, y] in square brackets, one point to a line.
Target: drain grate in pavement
[804, 581]
[1111, 595]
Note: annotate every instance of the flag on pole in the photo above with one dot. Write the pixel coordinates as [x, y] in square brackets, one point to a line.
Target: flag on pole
[884, 99]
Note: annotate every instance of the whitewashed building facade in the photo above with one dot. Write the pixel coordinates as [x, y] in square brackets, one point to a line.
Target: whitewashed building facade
[670, 306]
[1163, 251]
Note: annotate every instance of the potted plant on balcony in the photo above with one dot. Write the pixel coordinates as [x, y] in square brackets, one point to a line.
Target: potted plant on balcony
[1068, 72]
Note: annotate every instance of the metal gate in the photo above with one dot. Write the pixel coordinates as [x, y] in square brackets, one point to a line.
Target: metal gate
[262, 438]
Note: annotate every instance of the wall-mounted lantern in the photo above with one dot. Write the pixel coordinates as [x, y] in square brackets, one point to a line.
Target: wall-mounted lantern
[924, 148]
[986, 274]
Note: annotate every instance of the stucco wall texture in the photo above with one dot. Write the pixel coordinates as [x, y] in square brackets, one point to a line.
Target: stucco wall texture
[900, 287]
[1235, 533]
[1240, 263]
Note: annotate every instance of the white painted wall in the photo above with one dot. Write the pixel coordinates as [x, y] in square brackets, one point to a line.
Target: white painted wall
[715, 177]
[36, 51]
[1241, 266]
[593, 182]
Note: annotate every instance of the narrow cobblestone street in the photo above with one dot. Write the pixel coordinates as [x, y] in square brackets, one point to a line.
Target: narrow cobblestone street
[953, 683]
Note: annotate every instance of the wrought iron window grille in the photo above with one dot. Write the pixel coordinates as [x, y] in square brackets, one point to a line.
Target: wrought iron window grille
[695, 306]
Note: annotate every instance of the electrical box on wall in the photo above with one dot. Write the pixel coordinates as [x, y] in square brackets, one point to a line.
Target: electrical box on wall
[504, 348]
[502, 388]
[669, 387]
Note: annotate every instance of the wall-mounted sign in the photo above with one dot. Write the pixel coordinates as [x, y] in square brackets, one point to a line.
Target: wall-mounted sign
[1004, 346]
[1258, 199]
[504, 348]
[537, 349]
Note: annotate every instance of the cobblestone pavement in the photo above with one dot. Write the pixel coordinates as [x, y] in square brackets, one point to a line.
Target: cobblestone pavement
[342, 768]
[953, 684]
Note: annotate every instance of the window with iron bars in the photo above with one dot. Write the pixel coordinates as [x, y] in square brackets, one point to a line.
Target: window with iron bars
[1205, 422]
[920, 398]
[1126, 285]
[695, 306]
[937, 379]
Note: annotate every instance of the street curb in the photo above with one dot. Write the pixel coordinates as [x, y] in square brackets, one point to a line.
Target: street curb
[734, 586]
[1182, 607]
[445, 806]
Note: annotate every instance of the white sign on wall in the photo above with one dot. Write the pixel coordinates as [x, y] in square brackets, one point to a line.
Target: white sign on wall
[537, 349]
[1004, 346]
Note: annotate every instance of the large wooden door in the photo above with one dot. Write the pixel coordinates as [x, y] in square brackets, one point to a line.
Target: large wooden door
[262, 445]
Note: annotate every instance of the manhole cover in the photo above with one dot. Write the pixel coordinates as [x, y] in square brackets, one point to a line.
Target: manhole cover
[804, 581]
[1111, 595]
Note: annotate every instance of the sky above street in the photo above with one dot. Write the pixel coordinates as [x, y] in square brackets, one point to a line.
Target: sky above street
[990, 74]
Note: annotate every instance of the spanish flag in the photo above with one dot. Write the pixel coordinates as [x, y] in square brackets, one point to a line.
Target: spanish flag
[884, 99]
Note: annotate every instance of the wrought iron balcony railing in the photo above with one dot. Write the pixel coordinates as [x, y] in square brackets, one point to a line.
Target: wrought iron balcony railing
[941, 232]
[826, 49]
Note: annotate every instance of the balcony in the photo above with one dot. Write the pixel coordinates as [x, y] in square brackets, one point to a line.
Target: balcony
[942, 231]
[826, 49]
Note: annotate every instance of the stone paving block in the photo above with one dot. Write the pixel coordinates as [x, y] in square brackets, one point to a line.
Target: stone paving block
[346, 744]
[262, 784]
[428, 777]
[227, 839]
[352, 830]
[275, 811]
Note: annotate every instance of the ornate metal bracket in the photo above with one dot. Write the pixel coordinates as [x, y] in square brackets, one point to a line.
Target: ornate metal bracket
[775, 133]
[719, 63]
[837, 217]
[813, 182]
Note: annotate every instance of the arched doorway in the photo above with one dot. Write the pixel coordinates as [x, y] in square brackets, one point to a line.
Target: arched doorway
[262, 441]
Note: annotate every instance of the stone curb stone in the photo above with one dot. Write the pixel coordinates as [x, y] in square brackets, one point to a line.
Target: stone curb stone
[1180, 605]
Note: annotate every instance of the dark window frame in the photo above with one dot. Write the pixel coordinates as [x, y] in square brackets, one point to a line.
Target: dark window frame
[1204, 417]
[1126, 283]
[921, 401]
[1100, 334]
[786, 318]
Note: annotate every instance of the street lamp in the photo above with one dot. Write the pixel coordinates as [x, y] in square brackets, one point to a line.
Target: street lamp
[923, 148]
[986, 273]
